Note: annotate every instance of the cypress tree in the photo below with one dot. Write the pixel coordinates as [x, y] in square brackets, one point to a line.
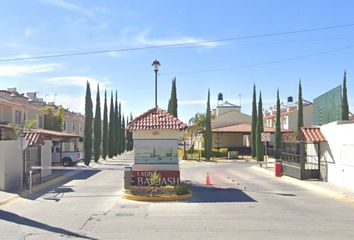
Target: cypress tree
[208, 137]
[116, 128]
[105, 128]
[130, 143]
[254, 122]
[300, 112]
[172, 103]
[119, 132]
[88, 126]
[345, 106]
[277, 129]
[123, 134]
[260, 145]
[111, 129]
[97, 127]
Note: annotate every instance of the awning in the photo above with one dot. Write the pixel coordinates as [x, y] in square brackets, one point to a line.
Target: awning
[37, 136]
[311, 134]
[34, 138]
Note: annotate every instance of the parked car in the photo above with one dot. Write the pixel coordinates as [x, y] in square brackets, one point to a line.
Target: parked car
[69, 158]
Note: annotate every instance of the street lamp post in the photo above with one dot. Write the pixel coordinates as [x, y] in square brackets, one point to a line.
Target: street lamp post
[156, 64]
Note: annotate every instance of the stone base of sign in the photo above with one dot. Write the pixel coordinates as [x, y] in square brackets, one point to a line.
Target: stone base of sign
[157, 198]
[169, 173]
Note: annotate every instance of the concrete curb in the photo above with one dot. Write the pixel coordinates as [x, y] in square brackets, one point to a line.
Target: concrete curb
[9, 199]
[308, 186]
[157, 198]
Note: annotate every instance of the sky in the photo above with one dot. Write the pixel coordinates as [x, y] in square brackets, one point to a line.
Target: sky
[256, 54]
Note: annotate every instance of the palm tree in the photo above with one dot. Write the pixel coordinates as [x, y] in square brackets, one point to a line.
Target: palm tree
[196, 126]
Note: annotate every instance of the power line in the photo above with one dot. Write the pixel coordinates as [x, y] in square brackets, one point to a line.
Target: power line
[261, 64]
[69, 54]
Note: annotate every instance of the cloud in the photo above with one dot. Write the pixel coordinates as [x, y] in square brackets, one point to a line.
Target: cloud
[143, 39]
[29, 31]
[70, 6]
[72, 102]
[77, 81]
[114, 54]
[12, 70]
[76, 103]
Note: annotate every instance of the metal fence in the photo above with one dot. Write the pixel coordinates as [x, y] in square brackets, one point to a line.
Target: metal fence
[300, 159]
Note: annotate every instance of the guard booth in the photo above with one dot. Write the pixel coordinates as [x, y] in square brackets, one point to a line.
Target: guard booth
[156, 134]
[37, 151]
[301, 159]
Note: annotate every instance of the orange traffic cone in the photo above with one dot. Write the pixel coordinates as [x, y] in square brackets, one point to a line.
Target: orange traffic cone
[207, 180]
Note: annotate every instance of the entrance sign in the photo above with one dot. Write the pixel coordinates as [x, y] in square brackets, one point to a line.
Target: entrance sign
[167, 178]
[265, 137]
[155, 135]
[156, 151]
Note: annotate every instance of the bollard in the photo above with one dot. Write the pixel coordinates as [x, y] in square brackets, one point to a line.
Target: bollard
[30, 181]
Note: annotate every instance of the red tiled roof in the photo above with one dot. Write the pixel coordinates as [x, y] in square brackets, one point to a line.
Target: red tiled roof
[311, 134]
[283, 113]
[156, 118]
[13, 103]
[243, 128]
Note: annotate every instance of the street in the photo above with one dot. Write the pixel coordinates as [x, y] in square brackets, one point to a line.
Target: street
[241, 204]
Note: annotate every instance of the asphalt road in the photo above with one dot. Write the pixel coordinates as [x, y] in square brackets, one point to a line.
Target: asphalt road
[241, 204]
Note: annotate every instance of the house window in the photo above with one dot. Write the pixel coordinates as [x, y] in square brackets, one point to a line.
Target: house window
[2, 134]
[73, 127]
[18, 119]
[80, 126]
[40, 122]
[285, 122]
[64, 125]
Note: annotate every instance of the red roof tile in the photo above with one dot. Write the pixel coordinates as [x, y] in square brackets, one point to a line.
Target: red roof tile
[156, 118]
[311, 134]
[283, 113]
[243, 128]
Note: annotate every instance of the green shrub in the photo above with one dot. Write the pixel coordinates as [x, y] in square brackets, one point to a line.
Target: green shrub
[155, 179]
[218, 153]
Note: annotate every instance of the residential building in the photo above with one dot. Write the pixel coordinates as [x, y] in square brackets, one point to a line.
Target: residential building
[227, 113]
[16, 108]
[74, 124]
[288, 116]
[224, 115]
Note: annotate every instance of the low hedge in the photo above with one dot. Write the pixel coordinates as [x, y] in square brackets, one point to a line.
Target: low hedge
[181, 189]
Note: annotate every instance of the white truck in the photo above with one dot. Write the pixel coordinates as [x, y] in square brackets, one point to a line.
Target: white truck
[68, 158]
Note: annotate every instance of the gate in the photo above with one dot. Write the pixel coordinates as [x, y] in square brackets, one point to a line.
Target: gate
[301, 160]
[32, 157]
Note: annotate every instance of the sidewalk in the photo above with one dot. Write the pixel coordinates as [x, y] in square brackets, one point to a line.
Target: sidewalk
[317, 186]
[58, 176]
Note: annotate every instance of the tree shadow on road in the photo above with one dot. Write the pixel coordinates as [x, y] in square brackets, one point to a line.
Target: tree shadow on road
[14, 218]
[206, 194]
